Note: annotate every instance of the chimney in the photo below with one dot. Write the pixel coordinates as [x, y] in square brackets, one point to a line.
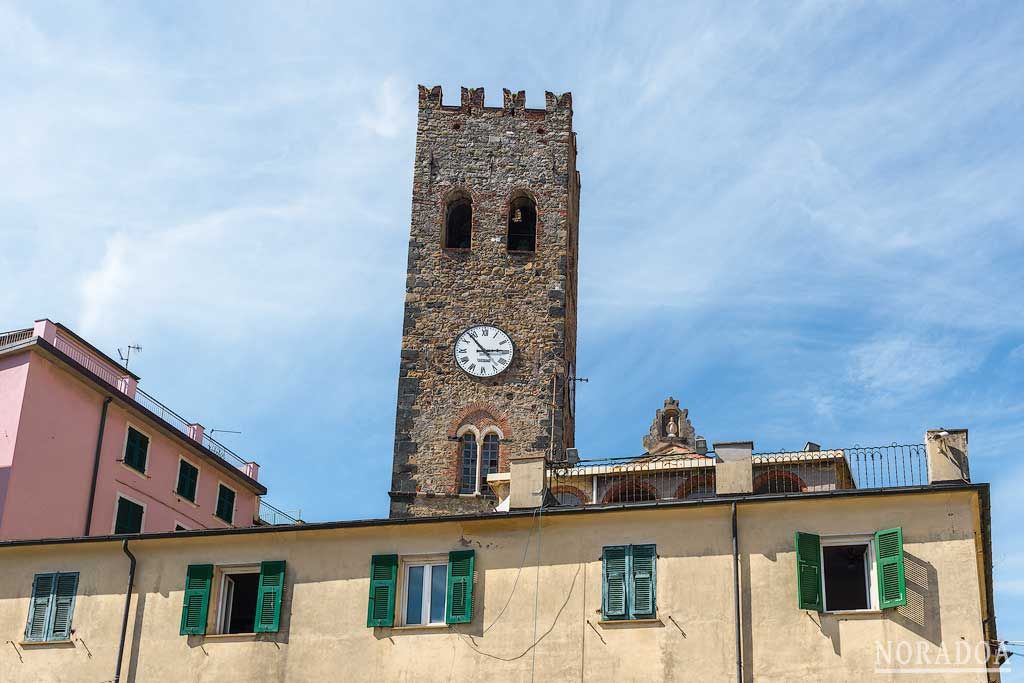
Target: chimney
[947, 455]
[734, 471]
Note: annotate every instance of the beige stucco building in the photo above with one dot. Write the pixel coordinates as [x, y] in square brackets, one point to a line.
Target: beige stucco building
[540, 595]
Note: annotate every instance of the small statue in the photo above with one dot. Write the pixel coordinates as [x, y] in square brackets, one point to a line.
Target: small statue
[673, 428]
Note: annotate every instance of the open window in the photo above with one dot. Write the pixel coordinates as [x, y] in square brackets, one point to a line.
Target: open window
[246, 598]
[238, 591]
[458, 223]
[850, 573]
[421, 590]
[522, 225]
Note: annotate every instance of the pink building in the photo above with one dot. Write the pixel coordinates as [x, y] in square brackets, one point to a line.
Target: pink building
[85, 452]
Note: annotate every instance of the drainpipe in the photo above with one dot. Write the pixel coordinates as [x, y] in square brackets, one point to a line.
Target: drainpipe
[736, 595]
[127, 605]
[96, 464]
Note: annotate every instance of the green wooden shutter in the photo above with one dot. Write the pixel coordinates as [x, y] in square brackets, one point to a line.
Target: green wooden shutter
[187, 478]
[383, 579]
[892, 582]
[39, 608]
[460, 587]
[808, 571]
[129, 517]
[63, 606]
[615, 562]
[136, 450]
[644, 582]
[268, 600]
[198, 580]
[225, 503]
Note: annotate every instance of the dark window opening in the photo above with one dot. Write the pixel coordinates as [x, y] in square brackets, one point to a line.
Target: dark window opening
[458, 224]
[489, 464]
[188, 476]
[468, 481]
[129, 517]
[522, 225]
[240, 591]
[846, 582]
[225, 504]
[178, 527]
[136, 450]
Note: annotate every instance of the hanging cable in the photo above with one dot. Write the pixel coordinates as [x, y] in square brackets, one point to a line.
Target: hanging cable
[515, 583]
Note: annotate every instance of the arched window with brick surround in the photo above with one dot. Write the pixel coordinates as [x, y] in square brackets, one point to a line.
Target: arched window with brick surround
[458, 221]
[479, 455]
[522, 224]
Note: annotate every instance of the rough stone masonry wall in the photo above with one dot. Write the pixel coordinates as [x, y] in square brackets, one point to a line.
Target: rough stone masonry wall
[492, 154]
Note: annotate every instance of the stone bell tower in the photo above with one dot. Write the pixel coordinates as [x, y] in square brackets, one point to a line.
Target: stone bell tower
[489, 337]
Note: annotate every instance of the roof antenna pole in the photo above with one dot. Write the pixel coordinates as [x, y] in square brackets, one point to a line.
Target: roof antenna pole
[126, 355]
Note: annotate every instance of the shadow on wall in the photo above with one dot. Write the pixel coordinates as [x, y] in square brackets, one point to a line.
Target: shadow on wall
[921, 613]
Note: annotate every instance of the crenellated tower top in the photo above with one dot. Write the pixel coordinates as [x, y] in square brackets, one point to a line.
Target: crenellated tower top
[513, 103]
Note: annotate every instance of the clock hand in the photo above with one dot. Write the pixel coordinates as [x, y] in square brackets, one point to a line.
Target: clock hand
[482, 349]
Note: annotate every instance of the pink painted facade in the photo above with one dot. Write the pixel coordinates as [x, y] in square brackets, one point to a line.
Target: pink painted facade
[53, 386]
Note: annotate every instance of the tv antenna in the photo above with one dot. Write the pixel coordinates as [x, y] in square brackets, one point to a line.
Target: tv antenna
[225, 431]
[125, 355]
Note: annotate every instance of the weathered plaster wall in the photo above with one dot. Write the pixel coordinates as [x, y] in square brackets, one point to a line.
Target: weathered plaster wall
[323, 634]
[489, 153]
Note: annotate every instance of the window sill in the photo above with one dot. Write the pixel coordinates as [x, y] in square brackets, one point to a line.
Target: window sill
[43, 643]
[226, 521]
[612, 623]
[183, 499]
[853, 612]
[421, 627]
[134, 471]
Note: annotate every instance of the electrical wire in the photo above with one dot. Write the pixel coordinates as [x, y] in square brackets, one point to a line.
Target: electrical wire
[515, 583]
[472, 646]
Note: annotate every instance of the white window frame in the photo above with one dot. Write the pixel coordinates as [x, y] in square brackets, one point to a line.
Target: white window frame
[479, 436]
[421, 561]
[870, 573]
[223, 613]
[216, 502]
[177, 474]
[117, 502]
[124, 449]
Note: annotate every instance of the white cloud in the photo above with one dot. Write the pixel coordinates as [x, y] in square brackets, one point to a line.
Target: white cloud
[899, 365]
[392, 111]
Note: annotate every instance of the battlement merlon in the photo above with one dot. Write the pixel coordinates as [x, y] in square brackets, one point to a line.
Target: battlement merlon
[472, 100]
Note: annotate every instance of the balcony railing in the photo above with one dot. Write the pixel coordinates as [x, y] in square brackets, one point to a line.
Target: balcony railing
[189, 429]
[121, 380]
[273, 516]
[14, 337]
[692, 477]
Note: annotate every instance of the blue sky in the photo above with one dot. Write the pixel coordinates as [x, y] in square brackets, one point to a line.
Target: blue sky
[801, 219]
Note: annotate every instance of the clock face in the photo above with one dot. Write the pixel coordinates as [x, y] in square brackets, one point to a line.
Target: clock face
[484, 351]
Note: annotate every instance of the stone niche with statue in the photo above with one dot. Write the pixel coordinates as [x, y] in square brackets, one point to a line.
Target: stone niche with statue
[671, 431]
